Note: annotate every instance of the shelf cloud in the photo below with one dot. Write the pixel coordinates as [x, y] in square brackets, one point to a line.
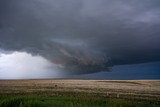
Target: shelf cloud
[82, 36]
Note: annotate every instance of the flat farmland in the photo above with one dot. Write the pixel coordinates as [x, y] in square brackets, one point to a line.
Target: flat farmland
[127, 89]
[79, 93]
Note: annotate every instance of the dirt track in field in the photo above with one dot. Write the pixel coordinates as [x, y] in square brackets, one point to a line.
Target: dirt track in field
[138, 89]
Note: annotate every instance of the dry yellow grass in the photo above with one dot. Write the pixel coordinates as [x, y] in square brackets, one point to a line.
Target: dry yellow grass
[143, 89]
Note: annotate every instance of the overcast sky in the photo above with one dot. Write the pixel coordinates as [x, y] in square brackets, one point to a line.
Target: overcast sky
[56, 37]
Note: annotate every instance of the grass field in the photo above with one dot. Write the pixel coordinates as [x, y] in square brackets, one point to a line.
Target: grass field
[83, 101]
[79, 93]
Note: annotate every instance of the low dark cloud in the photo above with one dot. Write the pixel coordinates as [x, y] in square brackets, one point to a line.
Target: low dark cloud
[83, 36]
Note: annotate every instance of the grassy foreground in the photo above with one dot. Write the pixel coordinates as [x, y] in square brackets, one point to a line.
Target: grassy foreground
[80, 101]
[80, 93]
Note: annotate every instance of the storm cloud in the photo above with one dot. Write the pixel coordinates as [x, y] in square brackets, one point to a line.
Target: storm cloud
[83, 36]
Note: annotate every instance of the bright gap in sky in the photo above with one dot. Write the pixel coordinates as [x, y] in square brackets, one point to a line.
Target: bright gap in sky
[22, 65]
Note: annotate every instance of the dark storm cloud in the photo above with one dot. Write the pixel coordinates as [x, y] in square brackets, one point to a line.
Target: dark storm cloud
[84, 35]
